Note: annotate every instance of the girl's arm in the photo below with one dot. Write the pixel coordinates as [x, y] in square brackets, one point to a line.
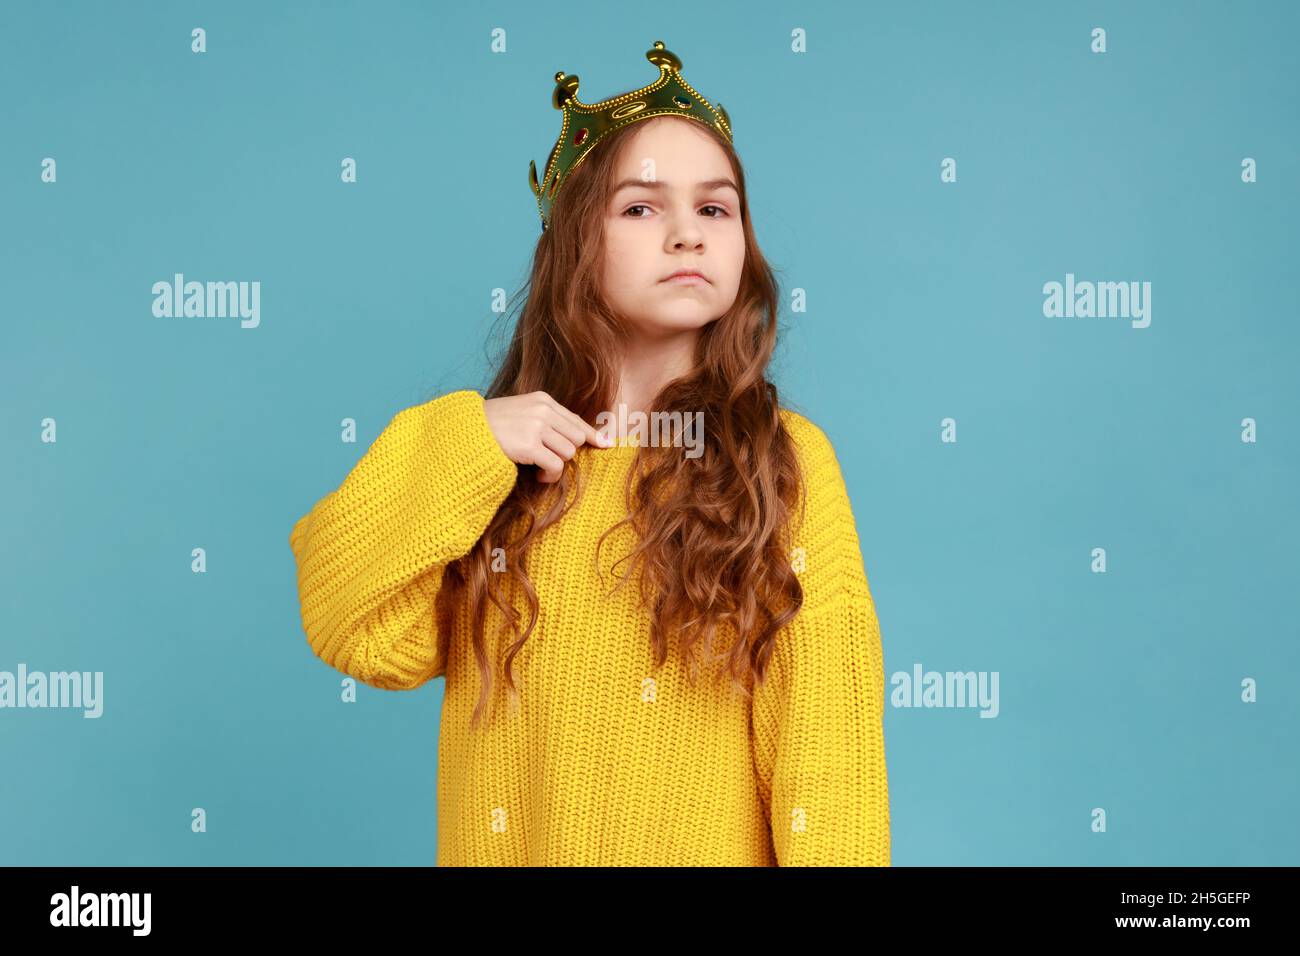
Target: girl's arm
[371, 554]
[818, 731]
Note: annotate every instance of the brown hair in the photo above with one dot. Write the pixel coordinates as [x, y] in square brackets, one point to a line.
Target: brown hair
[711, 530]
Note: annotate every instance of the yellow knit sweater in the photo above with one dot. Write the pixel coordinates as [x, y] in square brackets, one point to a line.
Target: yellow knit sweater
[606, 760]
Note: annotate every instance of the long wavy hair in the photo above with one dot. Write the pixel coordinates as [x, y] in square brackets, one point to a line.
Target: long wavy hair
[712, 532]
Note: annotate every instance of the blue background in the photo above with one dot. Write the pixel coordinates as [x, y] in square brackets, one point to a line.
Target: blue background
[1118, 690]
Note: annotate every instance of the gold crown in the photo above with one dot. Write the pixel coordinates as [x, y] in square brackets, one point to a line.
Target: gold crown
[590, 123]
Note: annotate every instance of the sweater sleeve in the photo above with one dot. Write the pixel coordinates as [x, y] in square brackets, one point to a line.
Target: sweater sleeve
[818, 733]
[371, 554]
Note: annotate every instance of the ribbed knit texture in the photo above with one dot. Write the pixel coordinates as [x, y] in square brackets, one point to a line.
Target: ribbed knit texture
[606, 760]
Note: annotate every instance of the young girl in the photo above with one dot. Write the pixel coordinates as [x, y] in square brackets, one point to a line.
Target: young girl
[657, 651]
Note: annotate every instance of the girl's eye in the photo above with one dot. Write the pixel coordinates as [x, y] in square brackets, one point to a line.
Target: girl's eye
[721, 212]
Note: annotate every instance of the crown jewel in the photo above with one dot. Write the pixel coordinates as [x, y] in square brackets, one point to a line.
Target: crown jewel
[586, 124]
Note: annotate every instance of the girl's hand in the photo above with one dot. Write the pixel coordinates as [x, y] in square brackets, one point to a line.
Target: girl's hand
[535, 429]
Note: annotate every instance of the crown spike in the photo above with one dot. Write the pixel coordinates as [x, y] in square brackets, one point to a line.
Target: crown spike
[566, 88]
[663, 58]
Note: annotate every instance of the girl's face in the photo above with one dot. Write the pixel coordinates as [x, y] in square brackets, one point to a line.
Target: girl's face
[675, 206]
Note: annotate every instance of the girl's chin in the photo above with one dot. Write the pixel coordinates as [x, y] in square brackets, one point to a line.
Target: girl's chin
[657, 325]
